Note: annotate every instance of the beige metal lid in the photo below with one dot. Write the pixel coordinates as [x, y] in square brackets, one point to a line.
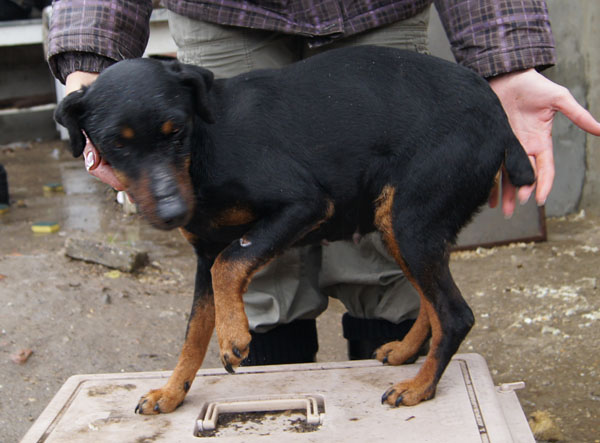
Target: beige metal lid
[340, 400]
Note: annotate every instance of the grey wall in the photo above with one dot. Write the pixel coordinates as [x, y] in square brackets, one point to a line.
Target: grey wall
[577, 156]
[590, 49]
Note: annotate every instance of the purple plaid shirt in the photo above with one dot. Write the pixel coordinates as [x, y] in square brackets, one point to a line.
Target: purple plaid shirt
[491, 37]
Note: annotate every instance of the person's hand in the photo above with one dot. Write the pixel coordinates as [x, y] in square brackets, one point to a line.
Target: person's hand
[531, 101]
[94, 163]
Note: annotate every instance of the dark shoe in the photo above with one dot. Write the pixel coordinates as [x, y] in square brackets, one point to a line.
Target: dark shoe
[295, 342]
[364, 336]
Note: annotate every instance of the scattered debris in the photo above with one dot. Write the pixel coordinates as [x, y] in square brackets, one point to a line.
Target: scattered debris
[45, 227]
[592, 315]
[21, 356]
[576, 217]
[550, 330]
[516, 261]
[591, 249]
[113, 274]
[12, 147]
[479, 252]
[543, 426]
[50, 188]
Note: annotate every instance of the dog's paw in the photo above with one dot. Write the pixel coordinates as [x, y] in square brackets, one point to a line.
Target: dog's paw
[396, 353]
[408, 393]
[160, 401]
[234, 349]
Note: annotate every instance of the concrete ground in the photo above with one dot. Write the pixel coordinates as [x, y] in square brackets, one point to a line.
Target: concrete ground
[537, 305]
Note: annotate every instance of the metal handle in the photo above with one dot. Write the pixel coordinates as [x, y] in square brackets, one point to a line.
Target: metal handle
[509, 387]
[209, 421]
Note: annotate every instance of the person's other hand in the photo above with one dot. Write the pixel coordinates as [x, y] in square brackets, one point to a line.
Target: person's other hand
[94, 163]
[531, 101]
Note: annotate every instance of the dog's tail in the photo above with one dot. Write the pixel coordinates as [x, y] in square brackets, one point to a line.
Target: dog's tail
[516, 162]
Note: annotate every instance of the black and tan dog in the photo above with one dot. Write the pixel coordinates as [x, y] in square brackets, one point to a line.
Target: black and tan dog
[353, 140]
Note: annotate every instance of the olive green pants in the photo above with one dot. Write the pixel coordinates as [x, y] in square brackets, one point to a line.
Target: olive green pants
[297, 284]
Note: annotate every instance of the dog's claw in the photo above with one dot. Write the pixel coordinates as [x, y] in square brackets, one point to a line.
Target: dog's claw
[398, 401]
[139, 409]
[156, 408]
[236, 352]
[385, 360]
[386, 394]
[228, 367]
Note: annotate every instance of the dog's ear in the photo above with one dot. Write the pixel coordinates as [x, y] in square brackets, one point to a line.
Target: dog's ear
[200, 80]
[68, 113]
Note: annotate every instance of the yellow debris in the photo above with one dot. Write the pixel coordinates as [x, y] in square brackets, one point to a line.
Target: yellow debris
[113, 274]
[53, 187]
[45, 227]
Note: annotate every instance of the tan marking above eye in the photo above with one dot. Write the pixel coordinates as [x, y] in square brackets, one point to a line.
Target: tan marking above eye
[168, 127]
[127, 132]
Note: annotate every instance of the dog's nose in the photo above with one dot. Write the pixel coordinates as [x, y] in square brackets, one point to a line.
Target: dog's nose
[172, 211]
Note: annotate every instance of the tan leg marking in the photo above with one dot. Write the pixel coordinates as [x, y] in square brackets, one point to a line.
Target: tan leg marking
[422, 386]
[230, 281]
[167, 398]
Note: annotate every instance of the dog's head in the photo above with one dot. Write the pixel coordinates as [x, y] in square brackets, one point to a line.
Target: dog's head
[140, 115]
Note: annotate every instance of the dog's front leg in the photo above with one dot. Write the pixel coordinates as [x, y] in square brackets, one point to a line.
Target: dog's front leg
[236, 265]
[199, 331]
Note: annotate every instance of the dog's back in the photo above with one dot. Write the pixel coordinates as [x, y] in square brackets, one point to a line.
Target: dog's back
[352, 121]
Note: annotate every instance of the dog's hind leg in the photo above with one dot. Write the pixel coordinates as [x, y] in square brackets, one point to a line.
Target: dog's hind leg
[398, 352]
[199, 331]
[236, 265]
[424, 259]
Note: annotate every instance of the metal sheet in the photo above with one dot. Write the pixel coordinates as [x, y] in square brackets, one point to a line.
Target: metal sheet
[100, 408]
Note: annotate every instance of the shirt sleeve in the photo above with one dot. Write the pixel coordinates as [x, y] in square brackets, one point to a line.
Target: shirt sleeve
[90, 35]
[494, 37]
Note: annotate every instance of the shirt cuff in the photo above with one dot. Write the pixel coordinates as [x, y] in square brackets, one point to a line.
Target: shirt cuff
[65, 63]
[496, 63]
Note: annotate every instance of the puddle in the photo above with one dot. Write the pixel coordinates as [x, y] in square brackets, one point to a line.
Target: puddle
[84, 204]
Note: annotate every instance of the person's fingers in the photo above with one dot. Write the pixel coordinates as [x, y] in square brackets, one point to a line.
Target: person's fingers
[97, 167]
[566, 104]
[524, 192]
[77, 79]
[545, 175]
[509, 193]
[91, 157]
[494, 195]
